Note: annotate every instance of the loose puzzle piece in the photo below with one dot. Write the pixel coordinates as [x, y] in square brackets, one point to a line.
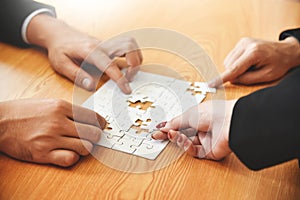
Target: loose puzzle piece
[131, 119]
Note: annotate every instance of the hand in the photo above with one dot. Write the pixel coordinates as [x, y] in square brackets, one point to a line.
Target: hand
[209, 123]
[257, 61]
[68, 48]
[45, 131]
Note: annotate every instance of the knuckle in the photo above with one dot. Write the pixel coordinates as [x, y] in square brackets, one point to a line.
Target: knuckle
[37, 150]
[58, 105]
[245, 40]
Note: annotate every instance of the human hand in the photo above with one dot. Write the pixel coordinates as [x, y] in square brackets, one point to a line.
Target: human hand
[209, 122]
[68, 48]
[258, 61]
[48, 131]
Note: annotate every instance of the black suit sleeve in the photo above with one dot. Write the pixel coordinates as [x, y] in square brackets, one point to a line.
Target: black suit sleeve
[288, 33]
[265, 126]
[12, 15]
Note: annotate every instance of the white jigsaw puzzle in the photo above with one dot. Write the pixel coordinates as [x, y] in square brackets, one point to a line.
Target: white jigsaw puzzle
[131, 119]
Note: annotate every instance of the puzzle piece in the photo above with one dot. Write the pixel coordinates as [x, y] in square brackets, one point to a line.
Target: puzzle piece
[108, 140]
[150, 148]
[127, 144]
[132, 118]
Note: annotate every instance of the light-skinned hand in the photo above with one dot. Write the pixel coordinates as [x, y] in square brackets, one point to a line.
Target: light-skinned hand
[255, 61]
[209, 123]
[48, 131]
[68, 48]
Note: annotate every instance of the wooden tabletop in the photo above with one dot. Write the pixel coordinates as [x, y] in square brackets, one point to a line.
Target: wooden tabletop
[216, 25]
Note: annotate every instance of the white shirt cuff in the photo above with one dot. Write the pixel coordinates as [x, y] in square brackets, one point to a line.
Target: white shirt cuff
[29, 18]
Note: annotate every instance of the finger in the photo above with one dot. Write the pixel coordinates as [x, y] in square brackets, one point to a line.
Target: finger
[238, 67]
[200, 151]
[177, 123]
[105, 64]
[134, 59]
[252, 77]
[86, 116]
[63, 158]
[115, 74]
[131, 72]
[158, 135]
[173, 135]
[233, 55]
[189, 132]
[192, 118]
[73, 72]
[83, 131]
[81, 147]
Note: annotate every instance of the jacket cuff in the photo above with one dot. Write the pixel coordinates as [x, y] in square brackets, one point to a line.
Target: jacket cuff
[288, 33]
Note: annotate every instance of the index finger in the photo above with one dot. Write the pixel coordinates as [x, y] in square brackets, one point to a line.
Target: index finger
[86, 116]
[105, 64]
[189, 119]
[134, 59]
[239, 67]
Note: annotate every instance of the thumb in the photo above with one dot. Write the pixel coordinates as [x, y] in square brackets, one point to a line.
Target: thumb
[192, 118]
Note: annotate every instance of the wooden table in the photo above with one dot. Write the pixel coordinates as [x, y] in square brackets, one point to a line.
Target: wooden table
[216, 25]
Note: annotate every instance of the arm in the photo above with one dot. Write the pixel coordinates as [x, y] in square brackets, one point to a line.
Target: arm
[14, 16]
[67, 47]
[265, 125]
[262, 129]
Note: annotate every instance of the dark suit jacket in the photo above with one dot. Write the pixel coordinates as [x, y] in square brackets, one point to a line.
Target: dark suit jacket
[265, 126]
[12, 15]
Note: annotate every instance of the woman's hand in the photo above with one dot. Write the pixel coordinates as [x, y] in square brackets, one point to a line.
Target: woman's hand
[209, 123]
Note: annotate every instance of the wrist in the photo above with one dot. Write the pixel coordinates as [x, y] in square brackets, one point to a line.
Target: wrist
[43, 30]
[291, 46]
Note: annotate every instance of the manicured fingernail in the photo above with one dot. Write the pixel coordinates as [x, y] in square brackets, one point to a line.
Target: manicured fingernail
[170, 136]
[179, 140]
[161, 125]
[153, 136]
[86, 83]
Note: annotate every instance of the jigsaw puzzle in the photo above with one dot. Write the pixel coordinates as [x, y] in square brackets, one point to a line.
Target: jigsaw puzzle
[131, 119]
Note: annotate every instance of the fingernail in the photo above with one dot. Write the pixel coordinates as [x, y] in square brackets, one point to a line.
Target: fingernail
[161, 125]
[86, 83]
[170, 136]
[127, 87]
[179, 140]
[153, 136]
[212, 83]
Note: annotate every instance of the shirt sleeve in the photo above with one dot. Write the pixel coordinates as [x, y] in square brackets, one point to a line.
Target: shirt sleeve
[15, 16]
[265, 125]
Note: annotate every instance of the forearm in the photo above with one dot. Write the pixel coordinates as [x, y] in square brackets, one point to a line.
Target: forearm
[265, 125]
[44, 29]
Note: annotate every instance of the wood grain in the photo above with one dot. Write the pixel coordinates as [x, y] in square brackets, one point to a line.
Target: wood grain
[216, 25]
